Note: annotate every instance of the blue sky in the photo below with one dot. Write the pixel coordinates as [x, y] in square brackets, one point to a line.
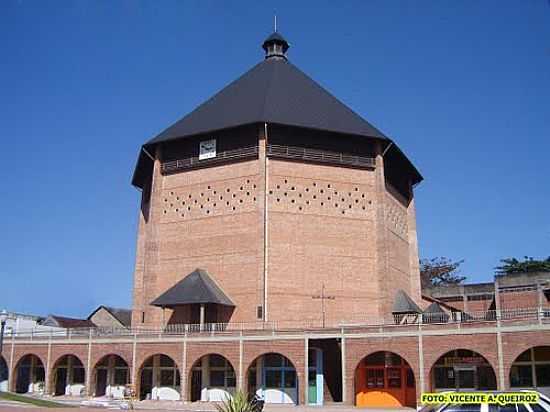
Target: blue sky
[462, 86]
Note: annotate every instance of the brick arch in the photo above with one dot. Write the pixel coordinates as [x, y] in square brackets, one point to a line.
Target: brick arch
[486, 356]
[292, 350]
[493, 363]
[96, 359]
[50, 375]
[15, 366]
[213, 352]
[514, 344]
[191, 364]
[17, 360]
[58, 358]
[411, 364]
[358, 349]
[482, 344]
[145, 355]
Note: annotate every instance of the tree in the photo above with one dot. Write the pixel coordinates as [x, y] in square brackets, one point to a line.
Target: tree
[440, 271]
[512, 265]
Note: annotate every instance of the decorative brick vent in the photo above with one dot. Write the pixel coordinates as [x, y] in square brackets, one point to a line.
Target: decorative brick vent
[210, 199]
[321, 197]
[396, 217]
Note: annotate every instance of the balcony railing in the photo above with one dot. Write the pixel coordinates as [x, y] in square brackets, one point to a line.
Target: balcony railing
[175, 166]
[394, 323]
[320, 156]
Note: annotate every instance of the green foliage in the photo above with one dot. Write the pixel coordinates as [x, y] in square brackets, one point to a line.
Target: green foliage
[440, 271]
[512, 265]
[237, 403]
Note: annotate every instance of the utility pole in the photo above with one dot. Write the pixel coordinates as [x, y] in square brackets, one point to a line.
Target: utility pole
[323, 297]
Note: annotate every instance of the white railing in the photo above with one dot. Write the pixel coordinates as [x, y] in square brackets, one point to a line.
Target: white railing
[433, 320]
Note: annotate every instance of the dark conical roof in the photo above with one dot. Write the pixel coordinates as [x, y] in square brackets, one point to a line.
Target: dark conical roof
[197, 287]
[273, 91]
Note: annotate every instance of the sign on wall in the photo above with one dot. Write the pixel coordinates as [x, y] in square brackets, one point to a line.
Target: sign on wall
[207, 149]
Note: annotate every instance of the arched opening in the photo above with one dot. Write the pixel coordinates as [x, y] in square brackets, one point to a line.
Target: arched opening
[384, 379]
[316, 378]
[273, 377]
[4, 374]
[111, 375]
[29, 375]
[159, 379]
[212, 379]
[463, 369]
[69, 376]
[531, 369]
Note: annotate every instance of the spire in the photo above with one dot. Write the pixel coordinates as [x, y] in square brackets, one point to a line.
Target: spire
[275, 46]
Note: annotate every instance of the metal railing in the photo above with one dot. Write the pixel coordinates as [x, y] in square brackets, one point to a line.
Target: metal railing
[320, 156]
[221, 157]
[395, 322]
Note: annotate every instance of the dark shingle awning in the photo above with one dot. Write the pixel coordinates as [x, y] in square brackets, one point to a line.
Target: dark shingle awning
[196, 288]
[404, 304]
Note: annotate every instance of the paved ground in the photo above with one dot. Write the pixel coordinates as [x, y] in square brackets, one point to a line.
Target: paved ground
[12, 407]
[97, 405]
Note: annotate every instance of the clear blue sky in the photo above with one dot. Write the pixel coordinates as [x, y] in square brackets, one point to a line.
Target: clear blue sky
[462, 86]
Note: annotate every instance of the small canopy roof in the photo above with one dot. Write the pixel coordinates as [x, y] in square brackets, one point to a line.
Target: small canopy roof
[197, 287]
[404, 304]
[434, 308]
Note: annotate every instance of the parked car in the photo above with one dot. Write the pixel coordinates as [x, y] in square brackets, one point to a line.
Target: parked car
[542, 406]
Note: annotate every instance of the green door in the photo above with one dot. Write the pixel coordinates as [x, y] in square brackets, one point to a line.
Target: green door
[312, 392]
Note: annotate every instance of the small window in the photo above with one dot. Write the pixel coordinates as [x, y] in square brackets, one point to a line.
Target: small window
[260, 312]
[121, 376]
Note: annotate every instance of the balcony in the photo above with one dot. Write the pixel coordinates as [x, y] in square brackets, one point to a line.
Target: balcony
[409, 324]
[320, 156]
[227, 156]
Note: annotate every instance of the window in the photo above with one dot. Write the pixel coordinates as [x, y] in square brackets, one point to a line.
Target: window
[273, 378]
[273, 360]
[375, 378]
[542, 373]
[78, 375]
[166, 361]
[444, 377]
[521, 376]
[290, 378]
[120, 376]
[167, 377]
[394, 378]
[217, 378]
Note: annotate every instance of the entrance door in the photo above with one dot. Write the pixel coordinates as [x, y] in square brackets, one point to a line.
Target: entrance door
[466, 378]
[196, 385]
[315, 376]
[146, 386]
[101, 383]
[312, 392]
[60, 381]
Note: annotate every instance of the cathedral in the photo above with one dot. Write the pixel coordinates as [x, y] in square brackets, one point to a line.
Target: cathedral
[277, 254]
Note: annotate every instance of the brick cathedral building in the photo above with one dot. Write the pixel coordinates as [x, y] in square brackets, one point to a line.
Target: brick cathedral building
[277, 253]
